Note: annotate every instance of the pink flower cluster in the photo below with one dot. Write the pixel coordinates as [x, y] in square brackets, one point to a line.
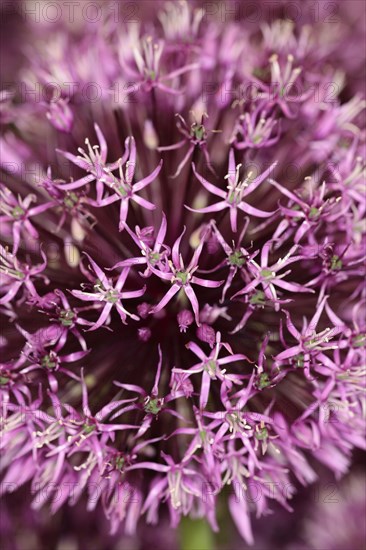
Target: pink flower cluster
[184, 318]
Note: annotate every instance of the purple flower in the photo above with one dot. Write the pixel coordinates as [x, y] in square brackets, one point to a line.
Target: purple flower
[282, 89]
[145, 69]
[268, 277]
[310, 344]
[237, 257]
[162, 359]
[17, 212]
[182, 277]
[123, 189]
[41, 351]
[255, 130]
[195, 136]
[151, 253]
[109, 294]
[60, 115]
[236, 191]
[93, 161]
[152, 405]
[210, 367]
[16, 275]
[181, 485]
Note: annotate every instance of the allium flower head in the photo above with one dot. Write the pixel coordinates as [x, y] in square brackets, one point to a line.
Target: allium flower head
[183, 311]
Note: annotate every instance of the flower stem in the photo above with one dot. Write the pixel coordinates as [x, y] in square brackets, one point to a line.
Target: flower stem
[195, 535]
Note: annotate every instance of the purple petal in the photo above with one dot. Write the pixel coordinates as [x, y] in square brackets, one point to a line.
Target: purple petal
[168, 296]
[145, 181]
[209, 186]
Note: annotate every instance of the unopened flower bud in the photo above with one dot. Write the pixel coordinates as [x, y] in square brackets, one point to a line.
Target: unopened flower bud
[206, 334]
[143, 310]
[144, 334]
[184, 318]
